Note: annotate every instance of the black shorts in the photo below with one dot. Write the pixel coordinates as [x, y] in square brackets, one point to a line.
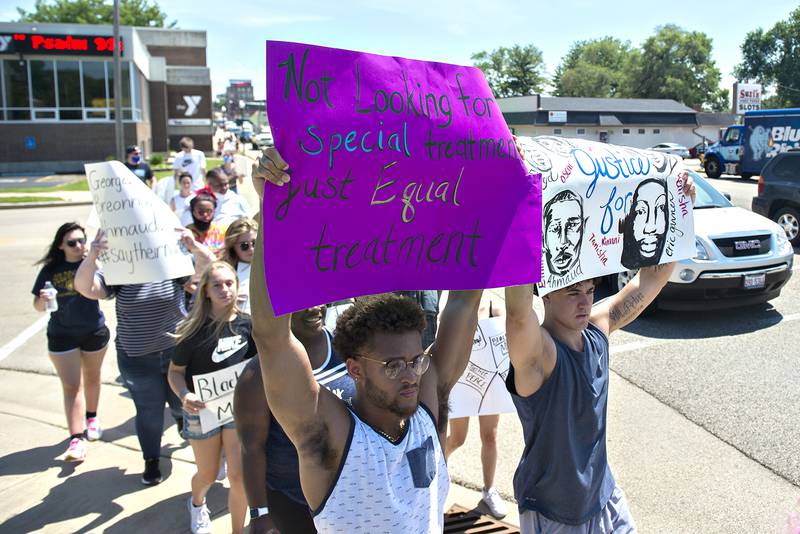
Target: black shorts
[91, 342]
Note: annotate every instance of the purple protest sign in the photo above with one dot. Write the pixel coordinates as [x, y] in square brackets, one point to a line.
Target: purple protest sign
[404, 177]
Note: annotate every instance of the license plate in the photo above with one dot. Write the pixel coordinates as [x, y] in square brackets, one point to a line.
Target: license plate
[754, 281]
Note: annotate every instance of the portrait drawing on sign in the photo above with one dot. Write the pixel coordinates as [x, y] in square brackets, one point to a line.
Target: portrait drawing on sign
[563, 232]
[644, 229]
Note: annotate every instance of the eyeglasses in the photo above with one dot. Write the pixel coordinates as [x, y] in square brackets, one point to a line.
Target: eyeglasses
[393, 368]
[244, 246]
[74, 242]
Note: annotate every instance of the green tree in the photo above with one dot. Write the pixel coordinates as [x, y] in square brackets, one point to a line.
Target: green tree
[131, 12]
[772, 57]
[594, 68]
[515, 71]
[677, 64]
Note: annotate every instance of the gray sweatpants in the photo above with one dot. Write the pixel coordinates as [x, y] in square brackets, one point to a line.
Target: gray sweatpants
[614, 518]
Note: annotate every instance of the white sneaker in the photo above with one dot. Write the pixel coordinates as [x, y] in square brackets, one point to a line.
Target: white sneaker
[200, 520]
[76, 452]
[495, 504]
[93, 429]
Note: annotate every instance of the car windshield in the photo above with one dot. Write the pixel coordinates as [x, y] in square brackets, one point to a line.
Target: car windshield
[707, 196]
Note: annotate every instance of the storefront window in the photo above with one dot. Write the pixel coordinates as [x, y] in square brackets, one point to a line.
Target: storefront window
[15, 79]
[69, 90]
[43, 84]
[94, 86]
[66, 90]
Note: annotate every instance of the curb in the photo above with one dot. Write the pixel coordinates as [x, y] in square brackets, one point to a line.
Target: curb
[23, 205]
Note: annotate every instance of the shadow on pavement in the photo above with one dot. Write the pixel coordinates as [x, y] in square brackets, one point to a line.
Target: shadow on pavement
[170, 515]
[35, 460]
[705, 324]
[85, 494]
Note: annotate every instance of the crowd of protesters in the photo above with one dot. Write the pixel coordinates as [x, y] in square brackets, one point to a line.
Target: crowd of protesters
[331, 431]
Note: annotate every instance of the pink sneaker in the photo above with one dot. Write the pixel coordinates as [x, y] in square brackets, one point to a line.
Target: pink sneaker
[93, 429]
[76, 452]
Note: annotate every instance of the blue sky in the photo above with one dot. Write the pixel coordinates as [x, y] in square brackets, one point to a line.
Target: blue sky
[449, 30]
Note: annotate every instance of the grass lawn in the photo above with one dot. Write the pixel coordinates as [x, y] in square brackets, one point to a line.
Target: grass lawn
[23, 199]
[80, 185]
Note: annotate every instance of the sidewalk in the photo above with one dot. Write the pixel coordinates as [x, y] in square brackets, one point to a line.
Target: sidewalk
[104, 493]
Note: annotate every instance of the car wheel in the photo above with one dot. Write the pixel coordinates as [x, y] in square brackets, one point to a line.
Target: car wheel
[789, 220]
[712, 166]
[620, 280]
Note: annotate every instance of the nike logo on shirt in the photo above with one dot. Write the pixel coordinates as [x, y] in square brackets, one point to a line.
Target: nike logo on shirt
[227, 347]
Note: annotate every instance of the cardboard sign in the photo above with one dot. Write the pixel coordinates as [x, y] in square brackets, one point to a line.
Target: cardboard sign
[142, 243]
[606, 209]
[481, 390]
[404, 176]
[216, 390]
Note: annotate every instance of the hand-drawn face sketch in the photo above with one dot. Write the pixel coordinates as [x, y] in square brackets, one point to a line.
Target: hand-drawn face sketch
[644, 229]
[563, 232]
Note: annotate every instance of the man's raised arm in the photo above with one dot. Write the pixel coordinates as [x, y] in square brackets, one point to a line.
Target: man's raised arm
[292, 393]
[530, 349]
[452, 348]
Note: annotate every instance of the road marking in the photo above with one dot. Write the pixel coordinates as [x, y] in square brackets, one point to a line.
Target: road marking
[647, 343]
[22, 337]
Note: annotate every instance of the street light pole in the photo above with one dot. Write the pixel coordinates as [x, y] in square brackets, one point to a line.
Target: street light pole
[119, 135]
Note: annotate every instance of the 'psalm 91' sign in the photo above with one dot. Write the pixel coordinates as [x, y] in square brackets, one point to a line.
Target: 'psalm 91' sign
[404, 177]
[607, 208]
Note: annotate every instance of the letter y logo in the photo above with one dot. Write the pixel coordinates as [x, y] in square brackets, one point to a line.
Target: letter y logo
[4, 40]
[191, 104]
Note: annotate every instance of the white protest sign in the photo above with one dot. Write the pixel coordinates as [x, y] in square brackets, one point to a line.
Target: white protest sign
[607, 208]
[481, 390]
[216, 391]
[142, 243]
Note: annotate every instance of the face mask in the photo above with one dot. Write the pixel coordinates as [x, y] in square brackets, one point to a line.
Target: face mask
[227, 159]
[136, 159]
[201, 225]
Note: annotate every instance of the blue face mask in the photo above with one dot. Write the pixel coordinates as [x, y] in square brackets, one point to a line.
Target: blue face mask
[136, 159]
[227, 159]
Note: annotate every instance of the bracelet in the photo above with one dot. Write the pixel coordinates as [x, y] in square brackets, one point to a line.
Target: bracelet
[255, 513]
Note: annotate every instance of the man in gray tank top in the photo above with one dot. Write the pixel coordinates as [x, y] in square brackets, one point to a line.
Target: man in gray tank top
[558, 381]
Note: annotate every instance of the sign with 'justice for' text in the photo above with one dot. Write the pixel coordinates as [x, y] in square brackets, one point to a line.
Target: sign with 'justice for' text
[404, 176]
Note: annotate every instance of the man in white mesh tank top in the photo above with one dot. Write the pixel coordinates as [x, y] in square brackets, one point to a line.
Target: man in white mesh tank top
[376, 465]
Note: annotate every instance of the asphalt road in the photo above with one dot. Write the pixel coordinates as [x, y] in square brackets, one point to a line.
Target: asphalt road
[703, 411]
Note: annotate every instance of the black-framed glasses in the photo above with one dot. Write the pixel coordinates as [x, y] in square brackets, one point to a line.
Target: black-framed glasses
[74, 242]
[244, 246]
[393, 368]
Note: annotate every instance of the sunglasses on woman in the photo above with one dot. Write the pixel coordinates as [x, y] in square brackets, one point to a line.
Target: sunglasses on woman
[244, 246]
[393, 368]
[74, 242]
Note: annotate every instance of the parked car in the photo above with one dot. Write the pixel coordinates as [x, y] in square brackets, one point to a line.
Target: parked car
[698, 150]
[779, 193]
[671, 148]
[742, 258]
[263, 139]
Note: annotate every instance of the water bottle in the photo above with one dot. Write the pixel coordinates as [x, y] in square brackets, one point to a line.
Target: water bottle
[51, 304]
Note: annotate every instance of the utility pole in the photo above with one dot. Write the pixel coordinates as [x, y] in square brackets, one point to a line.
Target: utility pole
[119, 135]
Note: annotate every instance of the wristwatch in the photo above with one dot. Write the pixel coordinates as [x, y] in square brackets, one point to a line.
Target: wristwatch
[255, 513]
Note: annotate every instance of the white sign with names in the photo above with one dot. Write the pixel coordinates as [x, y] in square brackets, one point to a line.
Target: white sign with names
[143, 245]
[607, 209]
